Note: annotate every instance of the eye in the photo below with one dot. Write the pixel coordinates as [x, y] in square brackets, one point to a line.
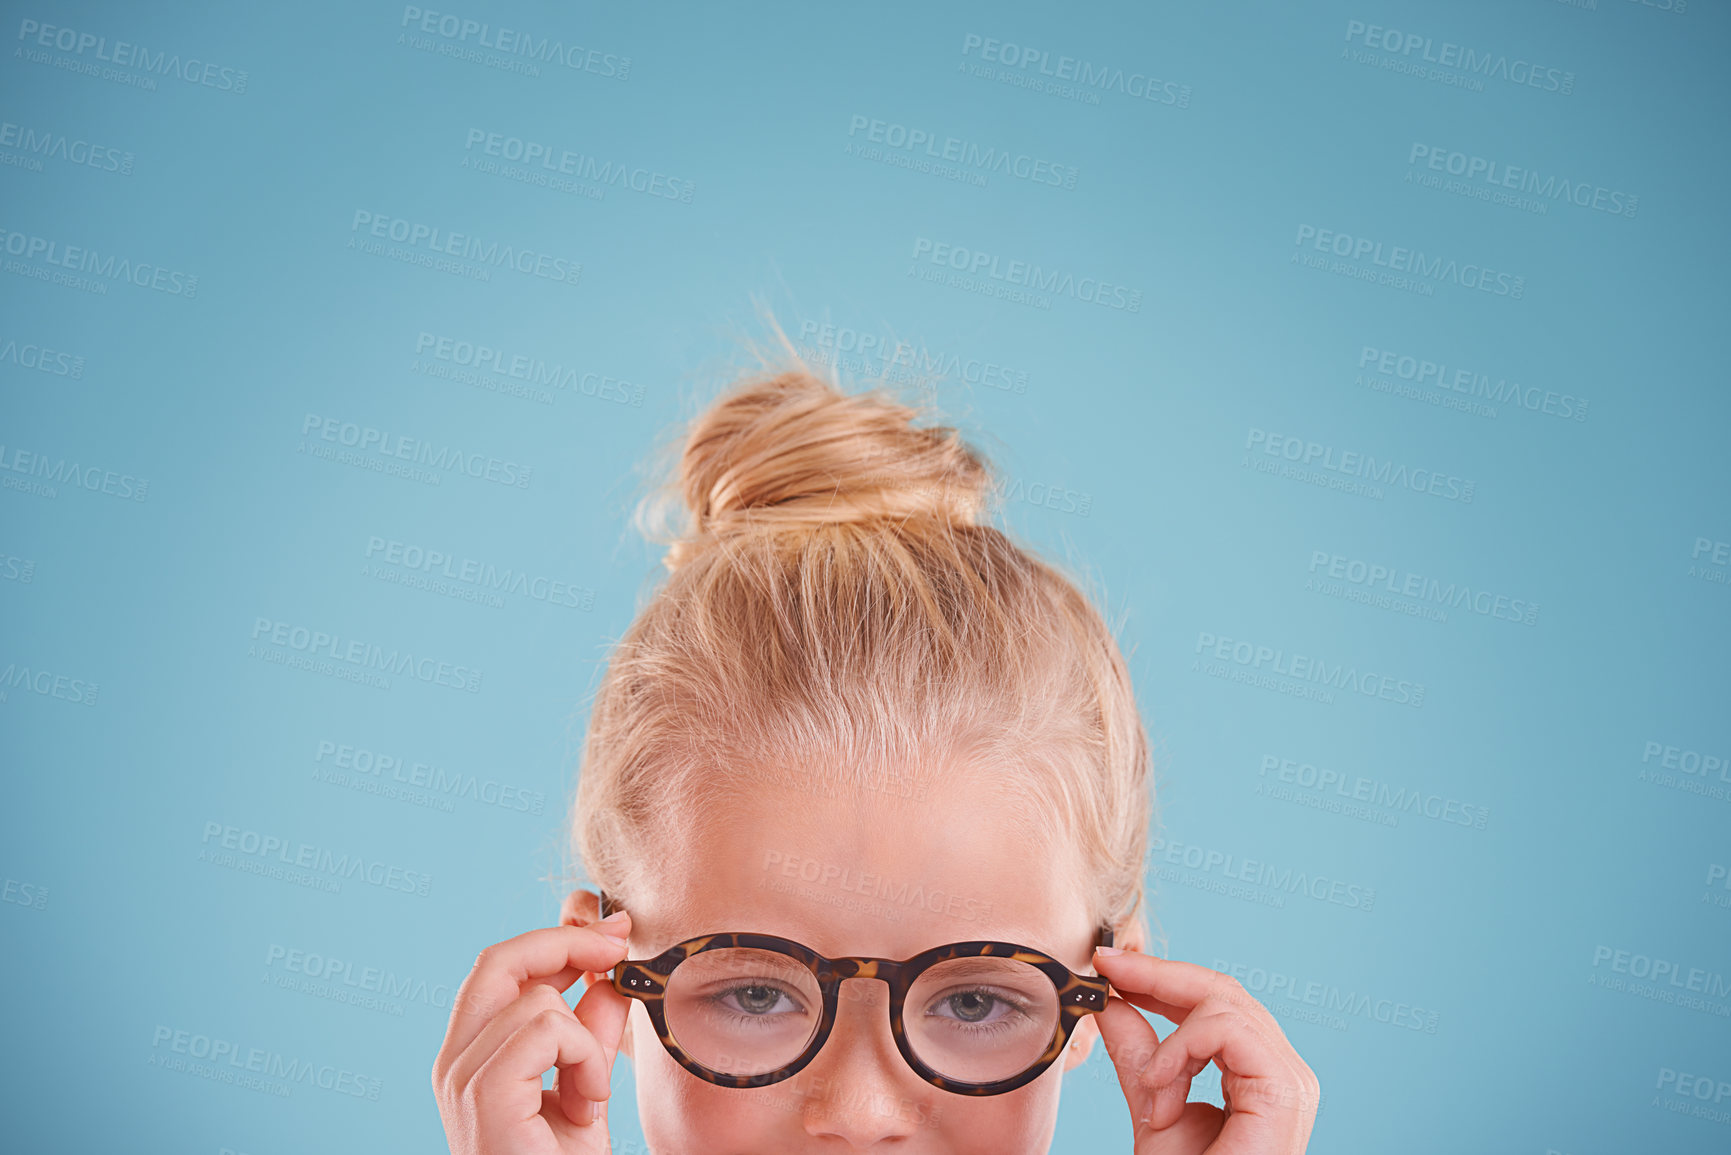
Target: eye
[972, 1006]
[759, 999]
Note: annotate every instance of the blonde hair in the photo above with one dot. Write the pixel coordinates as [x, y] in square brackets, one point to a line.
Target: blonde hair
[836, 602]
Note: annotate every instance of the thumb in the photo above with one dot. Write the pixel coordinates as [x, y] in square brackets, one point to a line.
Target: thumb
[603, 1012]
[1130, 1041]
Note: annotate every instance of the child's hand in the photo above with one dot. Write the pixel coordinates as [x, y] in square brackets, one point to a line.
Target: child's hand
[510, 1022]
[1271, 1095]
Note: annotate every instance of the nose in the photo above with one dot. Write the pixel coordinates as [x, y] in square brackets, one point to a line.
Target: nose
[859, 1089]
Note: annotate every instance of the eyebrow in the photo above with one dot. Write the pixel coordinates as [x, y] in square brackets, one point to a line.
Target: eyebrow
[1018, 936]
[755, 957]
[970, 967]
[1015, 935]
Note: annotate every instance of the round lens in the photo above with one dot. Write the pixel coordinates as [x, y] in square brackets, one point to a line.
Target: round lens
[742, 1012]
[980, 1020]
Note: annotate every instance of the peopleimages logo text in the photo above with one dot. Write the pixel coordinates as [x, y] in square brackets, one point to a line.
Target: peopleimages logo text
[555, 160]
[97, 263]
[1400, 259]
[94, 478]
[367, 439]
[468, 570]
[259, 1061]
[977, 263]
[832, 344]
[1693, 980]
[536, 371]
[466, 246]
[364, 654]
[1306, 668]
[1258, 872]
[516, 42]
[1384, 471]
[41, 358]
[322, 860]
[970, 154]
[1358, 788]
[1267, 985]
[47, 683]
[1480, 169]
[1086, 74]
[1448, 54]
[127, 55]
[343, 973]
[1402, 582]
[1502, 391]
[38, 143]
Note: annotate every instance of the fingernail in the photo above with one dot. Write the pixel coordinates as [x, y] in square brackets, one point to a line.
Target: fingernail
[1107, 950]
[607, 927]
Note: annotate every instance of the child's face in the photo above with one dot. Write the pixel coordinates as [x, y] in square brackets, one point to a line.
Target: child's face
[861, 872]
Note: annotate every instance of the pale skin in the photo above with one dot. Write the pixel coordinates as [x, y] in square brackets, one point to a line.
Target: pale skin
[510, 1021]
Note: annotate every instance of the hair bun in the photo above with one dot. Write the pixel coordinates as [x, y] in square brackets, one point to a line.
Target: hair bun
[790, 452]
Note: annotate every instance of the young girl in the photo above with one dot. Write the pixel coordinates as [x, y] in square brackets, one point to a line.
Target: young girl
[856, 727]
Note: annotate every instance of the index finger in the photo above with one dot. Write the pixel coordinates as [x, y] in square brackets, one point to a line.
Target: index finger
[1169, 987]
[554, 956]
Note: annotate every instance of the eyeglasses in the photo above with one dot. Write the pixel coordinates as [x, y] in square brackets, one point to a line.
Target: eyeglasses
[749, 1010]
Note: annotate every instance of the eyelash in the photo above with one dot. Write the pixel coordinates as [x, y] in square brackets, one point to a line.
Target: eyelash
[1016, 1007]
[715, 1000]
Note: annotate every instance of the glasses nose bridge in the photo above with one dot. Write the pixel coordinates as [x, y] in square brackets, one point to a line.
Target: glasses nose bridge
[833, 972]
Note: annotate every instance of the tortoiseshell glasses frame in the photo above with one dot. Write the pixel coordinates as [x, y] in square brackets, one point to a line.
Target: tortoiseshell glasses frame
[646, 981]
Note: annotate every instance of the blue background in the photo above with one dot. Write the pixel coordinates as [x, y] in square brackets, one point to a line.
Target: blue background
[1480, 1001]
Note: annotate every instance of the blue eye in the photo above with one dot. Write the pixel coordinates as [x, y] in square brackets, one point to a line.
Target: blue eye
[970, 1006]
[974, 1007]
[759, 999]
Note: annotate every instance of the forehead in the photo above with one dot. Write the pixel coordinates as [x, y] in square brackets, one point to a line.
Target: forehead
[884, 865]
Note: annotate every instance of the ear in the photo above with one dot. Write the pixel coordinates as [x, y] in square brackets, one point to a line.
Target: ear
[1081, 1043]
[580, 908]
[1131, 936]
